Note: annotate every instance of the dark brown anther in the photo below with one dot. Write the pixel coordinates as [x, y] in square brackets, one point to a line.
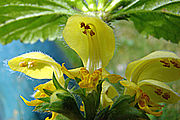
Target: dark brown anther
[166, 63]
[166, 96]
[85, 32]
[87, 27]
[92, 33]
[158, 91]
[82, 24]
[176, 63]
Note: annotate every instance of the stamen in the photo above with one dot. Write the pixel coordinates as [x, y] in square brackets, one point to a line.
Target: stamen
[165, 62]
[85, 32]
[87, 27]
[175, 63]
[158, 91]
[92, 33]
[166, 96]
[23, 64]
[82, 24]
[94, 61]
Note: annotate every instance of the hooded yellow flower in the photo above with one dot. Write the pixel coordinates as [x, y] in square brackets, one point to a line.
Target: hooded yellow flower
[92, 40]
[146, 78]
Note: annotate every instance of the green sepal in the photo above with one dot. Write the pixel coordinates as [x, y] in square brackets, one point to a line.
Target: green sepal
[66, 83]
[48, 92]
[61, 117]
[45, 99]
[103, 114]
[91, 100]
[42, 107]
[67, 107]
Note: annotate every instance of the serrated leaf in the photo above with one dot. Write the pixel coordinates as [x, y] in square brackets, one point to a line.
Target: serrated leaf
[30, 20]
[159, 18]
[122, 109]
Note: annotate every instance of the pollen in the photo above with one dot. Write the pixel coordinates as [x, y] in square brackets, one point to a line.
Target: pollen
[158, 91]
[23, 64]
[166, 96]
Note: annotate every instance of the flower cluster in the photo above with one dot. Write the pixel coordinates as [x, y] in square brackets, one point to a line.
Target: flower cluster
[94, 42]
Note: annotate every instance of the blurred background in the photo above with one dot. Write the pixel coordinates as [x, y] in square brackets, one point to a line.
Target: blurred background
[130, 45]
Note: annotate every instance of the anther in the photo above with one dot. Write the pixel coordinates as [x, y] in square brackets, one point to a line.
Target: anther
[166, 96]
[175, 62]
[87, 27]
[158, 91]
[85, 32]
[92, 33]
[165, 63]
[23, 64]
[82, 24]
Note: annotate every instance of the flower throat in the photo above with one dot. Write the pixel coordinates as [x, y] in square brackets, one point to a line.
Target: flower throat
[94, 60]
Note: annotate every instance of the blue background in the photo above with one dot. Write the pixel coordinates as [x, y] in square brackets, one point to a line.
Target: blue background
[13, 84]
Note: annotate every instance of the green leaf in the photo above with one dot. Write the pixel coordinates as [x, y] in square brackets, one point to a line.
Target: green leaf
[103, 114]
[32, 20]
[122, 109]
[159, 18]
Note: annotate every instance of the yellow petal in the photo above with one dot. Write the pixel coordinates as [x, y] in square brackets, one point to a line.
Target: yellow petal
[113, 78]
[37, 65]
[53, 116]
[158, 91]
[32, 102]
[107, 94]
[73, 73]
[48, 85]
[92, 39]
[160, 65]
[131, 88]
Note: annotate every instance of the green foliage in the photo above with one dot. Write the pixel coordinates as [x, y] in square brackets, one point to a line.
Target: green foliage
[32, 20]
[159, 18]
[91, 100]
[122, 110]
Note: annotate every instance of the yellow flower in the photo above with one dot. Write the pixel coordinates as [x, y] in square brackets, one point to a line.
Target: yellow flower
[92, 40]
[41, 94]
[146, 78]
